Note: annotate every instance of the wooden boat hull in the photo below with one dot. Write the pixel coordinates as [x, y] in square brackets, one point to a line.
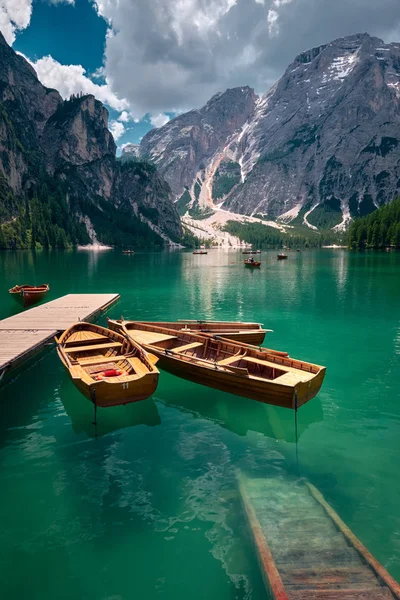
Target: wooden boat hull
[248, 333]
[280, 257]
[26, 296]
[109, 393]
[274, 379]
[115, 372]
[304, 550]
[227, 382]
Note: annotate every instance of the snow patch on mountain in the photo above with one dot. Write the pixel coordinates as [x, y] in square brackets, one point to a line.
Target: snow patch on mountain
[342, 66]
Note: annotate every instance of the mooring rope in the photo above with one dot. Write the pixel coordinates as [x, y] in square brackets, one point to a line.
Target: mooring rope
[296, 431]
[93, 394]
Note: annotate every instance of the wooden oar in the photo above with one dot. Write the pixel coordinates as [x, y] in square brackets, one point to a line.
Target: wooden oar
[238, 370]
[243, 345]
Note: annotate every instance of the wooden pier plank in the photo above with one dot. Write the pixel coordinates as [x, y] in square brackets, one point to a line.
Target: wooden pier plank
[61, 313]
[25, 333]
[15, 346]
[311, 553]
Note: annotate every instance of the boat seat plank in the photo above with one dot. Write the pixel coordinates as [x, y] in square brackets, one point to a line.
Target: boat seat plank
[302, 375]
[98, 369]
[87, 362]
[94, 347]
[138, 366]
[94, 338]
[230, 360]
[187, 347]
[149, 337]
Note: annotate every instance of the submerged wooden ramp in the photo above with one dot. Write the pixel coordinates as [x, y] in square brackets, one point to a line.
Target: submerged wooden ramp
[304, 549]
[24, 334]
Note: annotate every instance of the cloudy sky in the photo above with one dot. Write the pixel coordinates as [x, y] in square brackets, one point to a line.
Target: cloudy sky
[149, 59]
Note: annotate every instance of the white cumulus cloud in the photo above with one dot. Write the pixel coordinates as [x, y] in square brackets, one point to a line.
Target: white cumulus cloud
[124, 117]
[117, 129]
[15, 15]
[72, 79]
[159, 120]
[273, 16]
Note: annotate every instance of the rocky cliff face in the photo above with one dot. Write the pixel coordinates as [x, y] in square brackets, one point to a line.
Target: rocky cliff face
[43, 138]
[184, 146]
[321, 147]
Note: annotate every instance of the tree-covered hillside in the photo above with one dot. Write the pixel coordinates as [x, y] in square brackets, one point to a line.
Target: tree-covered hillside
[261, 236]
[377, 230]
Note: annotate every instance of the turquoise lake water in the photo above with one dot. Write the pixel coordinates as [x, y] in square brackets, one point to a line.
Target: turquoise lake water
[149, 508]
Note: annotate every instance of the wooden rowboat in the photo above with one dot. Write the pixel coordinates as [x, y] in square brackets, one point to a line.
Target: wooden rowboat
[282, 256]
[106, 367]
[200, 252]
[29, 294]
[241, 369]
[252, 263]
[304, 550]
[248, 333]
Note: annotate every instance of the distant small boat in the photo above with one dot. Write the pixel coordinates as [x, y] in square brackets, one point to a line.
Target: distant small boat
[264, 375]
[252, 263]
[128, 252]
[29, 294]
[106, 367]
[200, 252]
[282, 256]
[251, 252]
[248, 333]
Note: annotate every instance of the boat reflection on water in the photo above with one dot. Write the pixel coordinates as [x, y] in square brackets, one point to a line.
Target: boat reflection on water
[236, 414]
[81, 413]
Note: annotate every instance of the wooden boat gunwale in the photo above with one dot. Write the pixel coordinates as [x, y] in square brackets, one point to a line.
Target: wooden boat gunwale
[247, 332]
[266, 377]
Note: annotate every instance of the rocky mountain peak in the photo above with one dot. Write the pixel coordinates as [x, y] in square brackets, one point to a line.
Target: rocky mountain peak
[184, 146]
[64, 148]
[77, 133]
[318, 148]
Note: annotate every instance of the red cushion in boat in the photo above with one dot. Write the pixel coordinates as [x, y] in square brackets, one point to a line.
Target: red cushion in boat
[111, 373]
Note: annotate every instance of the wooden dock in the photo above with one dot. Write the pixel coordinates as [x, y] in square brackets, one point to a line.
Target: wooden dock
[24, 334]
[304, 549]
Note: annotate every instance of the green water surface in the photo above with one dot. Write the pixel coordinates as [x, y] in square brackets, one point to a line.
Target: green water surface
[149, 508]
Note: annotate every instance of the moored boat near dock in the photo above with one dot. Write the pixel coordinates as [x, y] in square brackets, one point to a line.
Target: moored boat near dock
[108, 368]
[248, 333]
[29, 294]
[241, 369]
[304, 550]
